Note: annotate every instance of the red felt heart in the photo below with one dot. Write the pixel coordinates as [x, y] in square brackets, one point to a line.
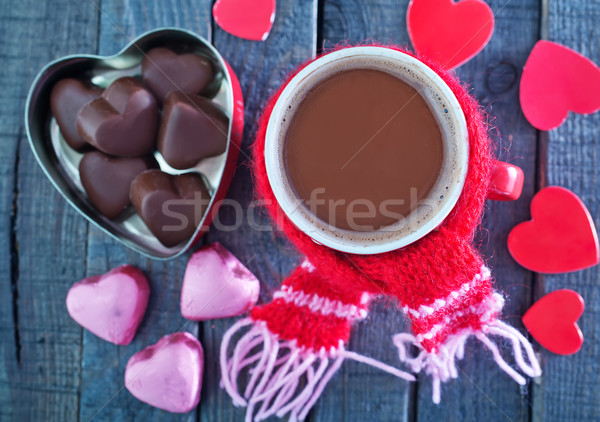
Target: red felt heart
[560, 237]
[251, 20]
[552, 321]
[451, 33]
[557, 80]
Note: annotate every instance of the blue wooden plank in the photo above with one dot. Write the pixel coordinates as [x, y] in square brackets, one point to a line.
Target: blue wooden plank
[359, 21]
[45, 386]
[571, 384]
[10, 129]
[491, 82]
[360, 392]
[43, 248]
[102, 395]
[261, 68]
[103, 365]
[483, 392]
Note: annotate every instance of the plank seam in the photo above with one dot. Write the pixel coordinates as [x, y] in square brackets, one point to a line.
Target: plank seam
[320, 24]
[541, 172]
[14, 253]
[87, 234]
[412, 411]
[98, 27]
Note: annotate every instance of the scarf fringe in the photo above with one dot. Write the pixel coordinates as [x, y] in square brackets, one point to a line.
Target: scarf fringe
[441, 364]
[283, 378]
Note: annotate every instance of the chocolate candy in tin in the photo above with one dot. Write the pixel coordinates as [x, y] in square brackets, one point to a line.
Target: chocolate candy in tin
[164, 71]
[192, 128]
[106, 180]
[123, 121]
[67, 98]
[61, 162]
[170, 205]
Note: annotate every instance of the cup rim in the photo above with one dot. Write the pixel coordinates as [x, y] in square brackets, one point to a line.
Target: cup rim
[290, 204]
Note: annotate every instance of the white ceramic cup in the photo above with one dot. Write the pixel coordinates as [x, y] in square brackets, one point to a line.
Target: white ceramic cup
[430, 211]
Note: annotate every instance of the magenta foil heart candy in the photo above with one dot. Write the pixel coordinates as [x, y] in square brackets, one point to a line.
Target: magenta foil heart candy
[168, 374]
[112, 305]
[217, 285]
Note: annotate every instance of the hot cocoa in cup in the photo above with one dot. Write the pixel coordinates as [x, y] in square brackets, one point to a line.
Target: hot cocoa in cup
[366, 150]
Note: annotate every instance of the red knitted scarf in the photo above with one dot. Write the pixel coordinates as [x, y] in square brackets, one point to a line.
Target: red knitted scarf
[296, 342]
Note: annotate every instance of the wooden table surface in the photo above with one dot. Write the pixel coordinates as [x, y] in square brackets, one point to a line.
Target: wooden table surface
[52, 370]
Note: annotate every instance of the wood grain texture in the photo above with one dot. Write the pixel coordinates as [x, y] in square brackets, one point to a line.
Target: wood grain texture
[571, 384]
[46, 236]
[483, 391]
[358, 21]
[51, 370]
[261, 68]
[360, 392]
[103, 397]
[11, 92]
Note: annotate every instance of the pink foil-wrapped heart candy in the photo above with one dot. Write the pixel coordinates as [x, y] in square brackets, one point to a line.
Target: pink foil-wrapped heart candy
[217, 285]
[168, 374]
[111, 305]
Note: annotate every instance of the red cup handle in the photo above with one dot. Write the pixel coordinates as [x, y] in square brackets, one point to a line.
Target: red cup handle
[506, 182]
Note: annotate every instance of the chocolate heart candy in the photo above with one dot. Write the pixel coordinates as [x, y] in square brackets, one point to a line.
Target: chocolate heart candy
[67, 98]
[192, 128]
[171, 206]
[106, 180]
[165, 71]
[123, 121]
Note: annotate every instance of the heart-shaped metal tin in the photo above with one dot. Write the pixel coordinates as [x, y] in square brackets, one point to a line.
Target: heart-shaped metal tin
[60, 162]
